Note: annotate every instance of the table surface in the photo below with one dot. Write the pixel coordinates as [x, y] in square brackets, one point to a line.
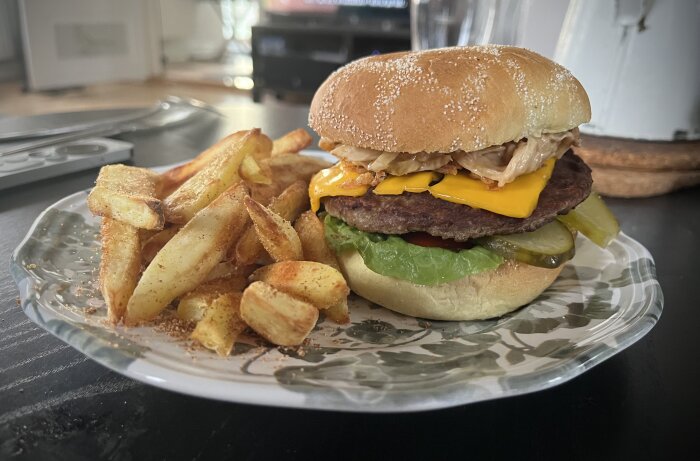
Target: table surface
[641, 404]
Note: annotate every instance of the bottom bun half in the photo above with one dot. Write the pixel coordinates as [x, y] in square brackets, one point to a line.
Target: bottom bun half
[485, 295]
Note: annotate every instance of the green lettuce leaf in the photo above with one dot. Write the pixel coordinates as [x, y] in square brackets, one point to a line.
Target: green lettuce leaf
[393, 256]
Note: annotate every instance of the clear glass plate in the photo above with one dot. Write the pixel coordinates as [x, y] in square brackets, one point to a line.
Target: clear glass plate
[604, 301]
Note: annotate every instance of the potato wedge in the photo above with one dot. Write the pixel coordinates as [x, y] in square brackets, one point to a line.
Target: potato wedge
[292, 201]
[233, 282]
[248, 248]
[292, 142]
[221, 325]
[175, 177]
[276, 234]
[222, 172]
[263, 193]
[251, 171]
[288, 205]
[228, 269]
[263, 154]
[120, 265]
[127, 194]
[288, 168]
[313, 243]
[339, 313]
[145, 234]
[313, 282]
[277, 316]
[191, 307]
[186, 260]
[313, 240]
[156, 242]
[285, 169]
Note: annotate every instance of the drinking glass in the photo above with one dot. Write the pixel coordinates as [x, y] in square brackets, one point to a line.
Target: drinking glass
[441, 23]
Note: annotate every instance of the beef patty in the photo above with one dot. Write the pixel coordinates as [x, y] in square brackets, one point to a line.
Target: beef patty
[569, 185]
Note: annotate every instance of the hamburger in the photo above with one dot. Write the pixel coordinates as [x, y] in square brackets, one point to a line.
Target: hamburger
[456, 191]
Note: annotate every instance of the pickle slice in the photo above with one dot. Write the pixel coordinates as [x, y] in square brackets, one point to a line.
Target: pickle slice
[549, 246]
[593, 218]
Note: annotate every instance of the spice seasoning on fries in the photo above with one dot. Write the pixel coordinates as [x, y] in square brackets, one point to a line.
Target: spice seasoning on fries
[221, 244]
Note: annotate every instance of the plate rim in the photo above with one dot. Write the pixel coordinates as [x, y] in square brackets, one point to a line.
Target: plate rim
[274, 394]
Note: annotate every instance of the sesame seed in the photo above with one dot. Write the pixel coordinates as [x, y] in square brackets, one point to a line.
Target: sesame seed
[387, 78]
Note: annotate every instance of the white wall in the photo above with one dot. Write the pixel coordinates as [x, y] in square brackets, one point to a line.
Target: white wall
[541, 23]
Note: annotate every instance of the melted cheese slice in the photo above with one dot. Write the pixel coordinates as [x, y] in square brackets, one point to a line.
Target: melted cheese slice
[414, 182]
[517, 199]
[329, 182]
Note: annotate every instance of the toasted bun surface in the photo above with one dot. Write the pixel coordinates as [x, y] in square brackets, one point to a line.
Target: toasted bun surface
[444, 100]
[481, 296]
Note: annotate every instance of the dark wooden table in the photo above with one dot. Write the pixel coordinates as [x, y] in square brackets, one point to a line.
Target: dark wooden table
[644, 403]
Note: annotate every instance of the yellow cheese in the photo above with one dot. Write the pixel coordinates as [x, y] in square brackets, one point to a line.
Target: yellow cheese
[330, 182]
[517, 199]
[414, 182]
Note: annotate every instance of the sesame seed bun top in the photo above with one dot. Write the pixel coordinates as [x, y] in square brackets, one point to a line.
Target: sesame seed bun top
[444, 100]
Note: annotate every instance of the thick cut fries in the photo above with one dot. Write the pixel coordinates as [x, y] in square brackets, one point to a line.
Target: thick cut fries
[263, 193]
[288, 205]
[277, 316]
[145, 234]
[202, 250]
[192, 306]
[313, 240]
[339, 313]
[154, 243]
[198, 191]
[175, 177]
[128, 194]
[251, 171]
[288, 168]
[120, 265]
[285, 169]
[221, 324]
[277, 235]
[292, 142]
[229, 269]
[313, 282]
[186, 260]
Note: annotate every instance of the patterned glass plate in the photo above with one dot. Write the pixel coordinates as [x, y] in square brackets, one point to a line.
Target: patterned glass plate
[604, 301]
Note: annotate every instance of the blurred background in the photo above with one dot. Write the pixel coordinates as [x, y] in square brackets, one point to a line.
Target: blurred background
[639, 61]
[73, 54]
